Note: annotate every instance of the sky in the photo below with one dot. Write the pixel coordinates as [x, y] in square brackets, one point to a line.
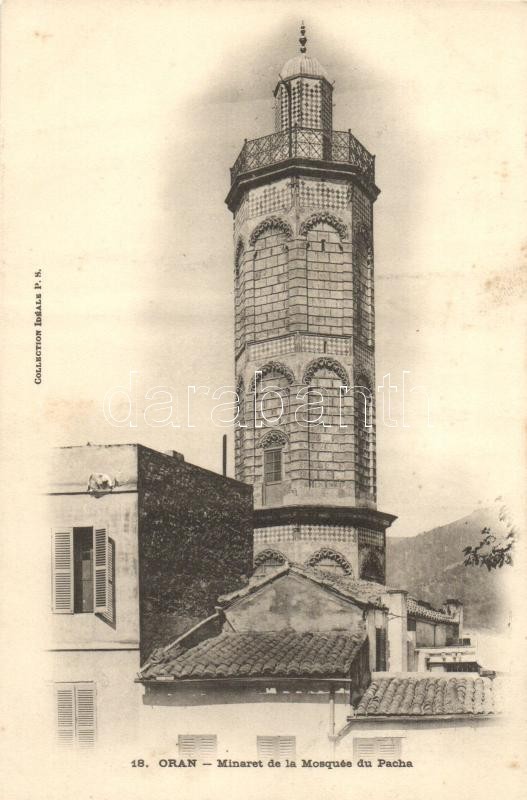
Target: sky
[120, 124]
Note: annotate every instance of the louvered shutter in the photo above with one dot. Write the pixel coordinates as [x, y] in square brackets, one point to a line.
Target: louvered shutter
[286, 746]
[109, 614]
[85, 715]
[365, 748]
[65, 705]
[267, 746]
[100, 549]
[62, 568]
[276, 746]
[193, 746]
[207, 746]
[187, 746]
[389, 747]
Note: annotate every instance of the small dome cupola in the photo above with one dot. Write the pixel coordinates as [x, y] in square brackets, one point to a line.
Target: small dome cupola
[303, 64]
[303, 93]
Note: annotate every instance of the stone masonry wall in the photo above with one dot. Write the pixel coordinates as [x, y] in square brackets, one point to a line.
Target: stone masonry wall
[298, 543]
[304, 290]
[195, 541]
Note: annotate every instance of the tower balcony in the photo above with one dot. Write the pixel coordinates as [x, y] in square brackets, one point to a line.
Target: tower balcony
[329, 151]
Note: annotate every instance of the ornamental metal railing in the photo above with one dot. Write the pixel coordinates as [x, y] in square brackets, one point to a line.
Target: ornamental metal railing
[313, 144]
[465, 642]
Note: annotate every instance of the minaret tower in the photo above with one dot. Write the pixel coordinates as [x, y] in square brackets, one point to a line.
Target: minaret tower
[302, 199]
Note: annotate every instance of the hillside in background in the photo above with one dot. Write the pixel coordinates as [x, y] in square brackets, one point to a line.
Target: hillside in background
[430, 566]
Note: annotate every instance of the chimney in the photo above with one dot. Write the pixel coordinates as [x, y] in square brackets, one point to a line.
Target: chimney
[395, 599]
[454, 608]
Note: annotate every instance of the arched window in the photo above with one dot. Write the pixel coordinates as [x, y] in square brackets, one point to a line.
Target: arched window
[269, 390]
[330, 561]
[371, 565]
[273, 465]
[272, 444]
[363, 402]
[329, 447]
[326, 274]
[268, 560]
[363, 286]
[270, 276]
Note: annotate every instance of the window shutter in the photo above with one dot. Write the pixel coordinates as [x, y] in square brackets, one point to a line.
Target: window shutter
[287, 746]
[85, 715]
[389, 747]
[276, 746]
[65, 704]
[187, 746]
[62, 567]
[193, 746]
[207, 746]
[109, 614]
[380, 646]
[100, 549]
[267, 746]
[365, 748]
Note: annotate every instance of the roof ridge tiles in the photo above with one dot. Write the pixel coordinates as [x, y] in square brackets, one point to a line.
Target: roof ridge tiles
[423, 694]
[285, 652]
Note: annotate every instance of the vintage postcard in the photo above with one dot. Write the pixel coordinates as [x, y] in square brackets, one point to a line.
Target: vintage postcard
[263, 399]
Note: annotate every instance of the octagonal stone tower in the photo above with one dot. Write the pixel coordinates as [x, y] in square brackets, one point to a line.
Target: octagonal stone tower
[302, 199]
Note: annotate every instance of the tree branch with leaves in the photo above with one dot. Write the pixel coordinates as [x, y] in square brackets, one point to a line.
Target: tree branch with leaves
[493, 551]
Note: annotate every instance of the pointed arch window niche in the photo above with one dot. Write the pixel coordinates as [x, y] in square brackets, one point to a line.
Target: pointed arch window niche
[364, 412]
[272, 445]
[268, 560]
[330, 561]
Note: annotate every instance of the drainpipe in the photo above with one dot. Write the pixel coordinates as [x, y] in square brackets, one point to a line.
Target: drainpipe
[331, 733]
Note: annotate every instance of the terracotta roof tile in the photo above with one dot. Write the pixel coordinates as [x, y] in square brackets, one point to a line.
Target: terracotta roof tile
[278, 654]
[416, 609]
[364, 592]
[425, 694]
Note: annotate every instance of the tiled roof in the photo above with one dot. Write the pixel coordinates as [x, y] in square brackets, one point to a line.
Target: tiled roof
[424, 694]
[274, 654]
[364, 592]
[416, 609]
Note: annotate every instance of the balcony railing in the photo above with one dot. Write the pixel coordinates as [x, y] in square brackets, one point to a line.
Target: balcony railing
[458, 642]
[313, 144]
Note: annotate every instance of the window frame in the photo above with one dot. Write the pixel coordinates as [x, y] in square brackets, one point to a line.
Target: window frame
[63, 568]
[377, 753]
[274, 450]
[277, 742]
[83, 732]
[79, 591]
[198, 749]
[380, 650]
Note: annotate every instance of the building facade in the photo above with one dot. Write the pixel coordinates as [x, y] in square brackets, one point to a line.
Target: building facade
[153, 607]
[315, 643]
[141, 544]
[311, 662]
[302, 200]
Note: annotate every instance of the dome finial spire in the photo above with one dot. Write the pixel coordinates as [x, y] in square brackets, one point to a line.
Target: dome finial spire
[302, 39]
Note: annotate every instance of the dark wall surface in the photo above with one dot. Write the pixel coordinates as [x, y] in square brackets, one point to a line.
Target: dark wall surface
[195, 543]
